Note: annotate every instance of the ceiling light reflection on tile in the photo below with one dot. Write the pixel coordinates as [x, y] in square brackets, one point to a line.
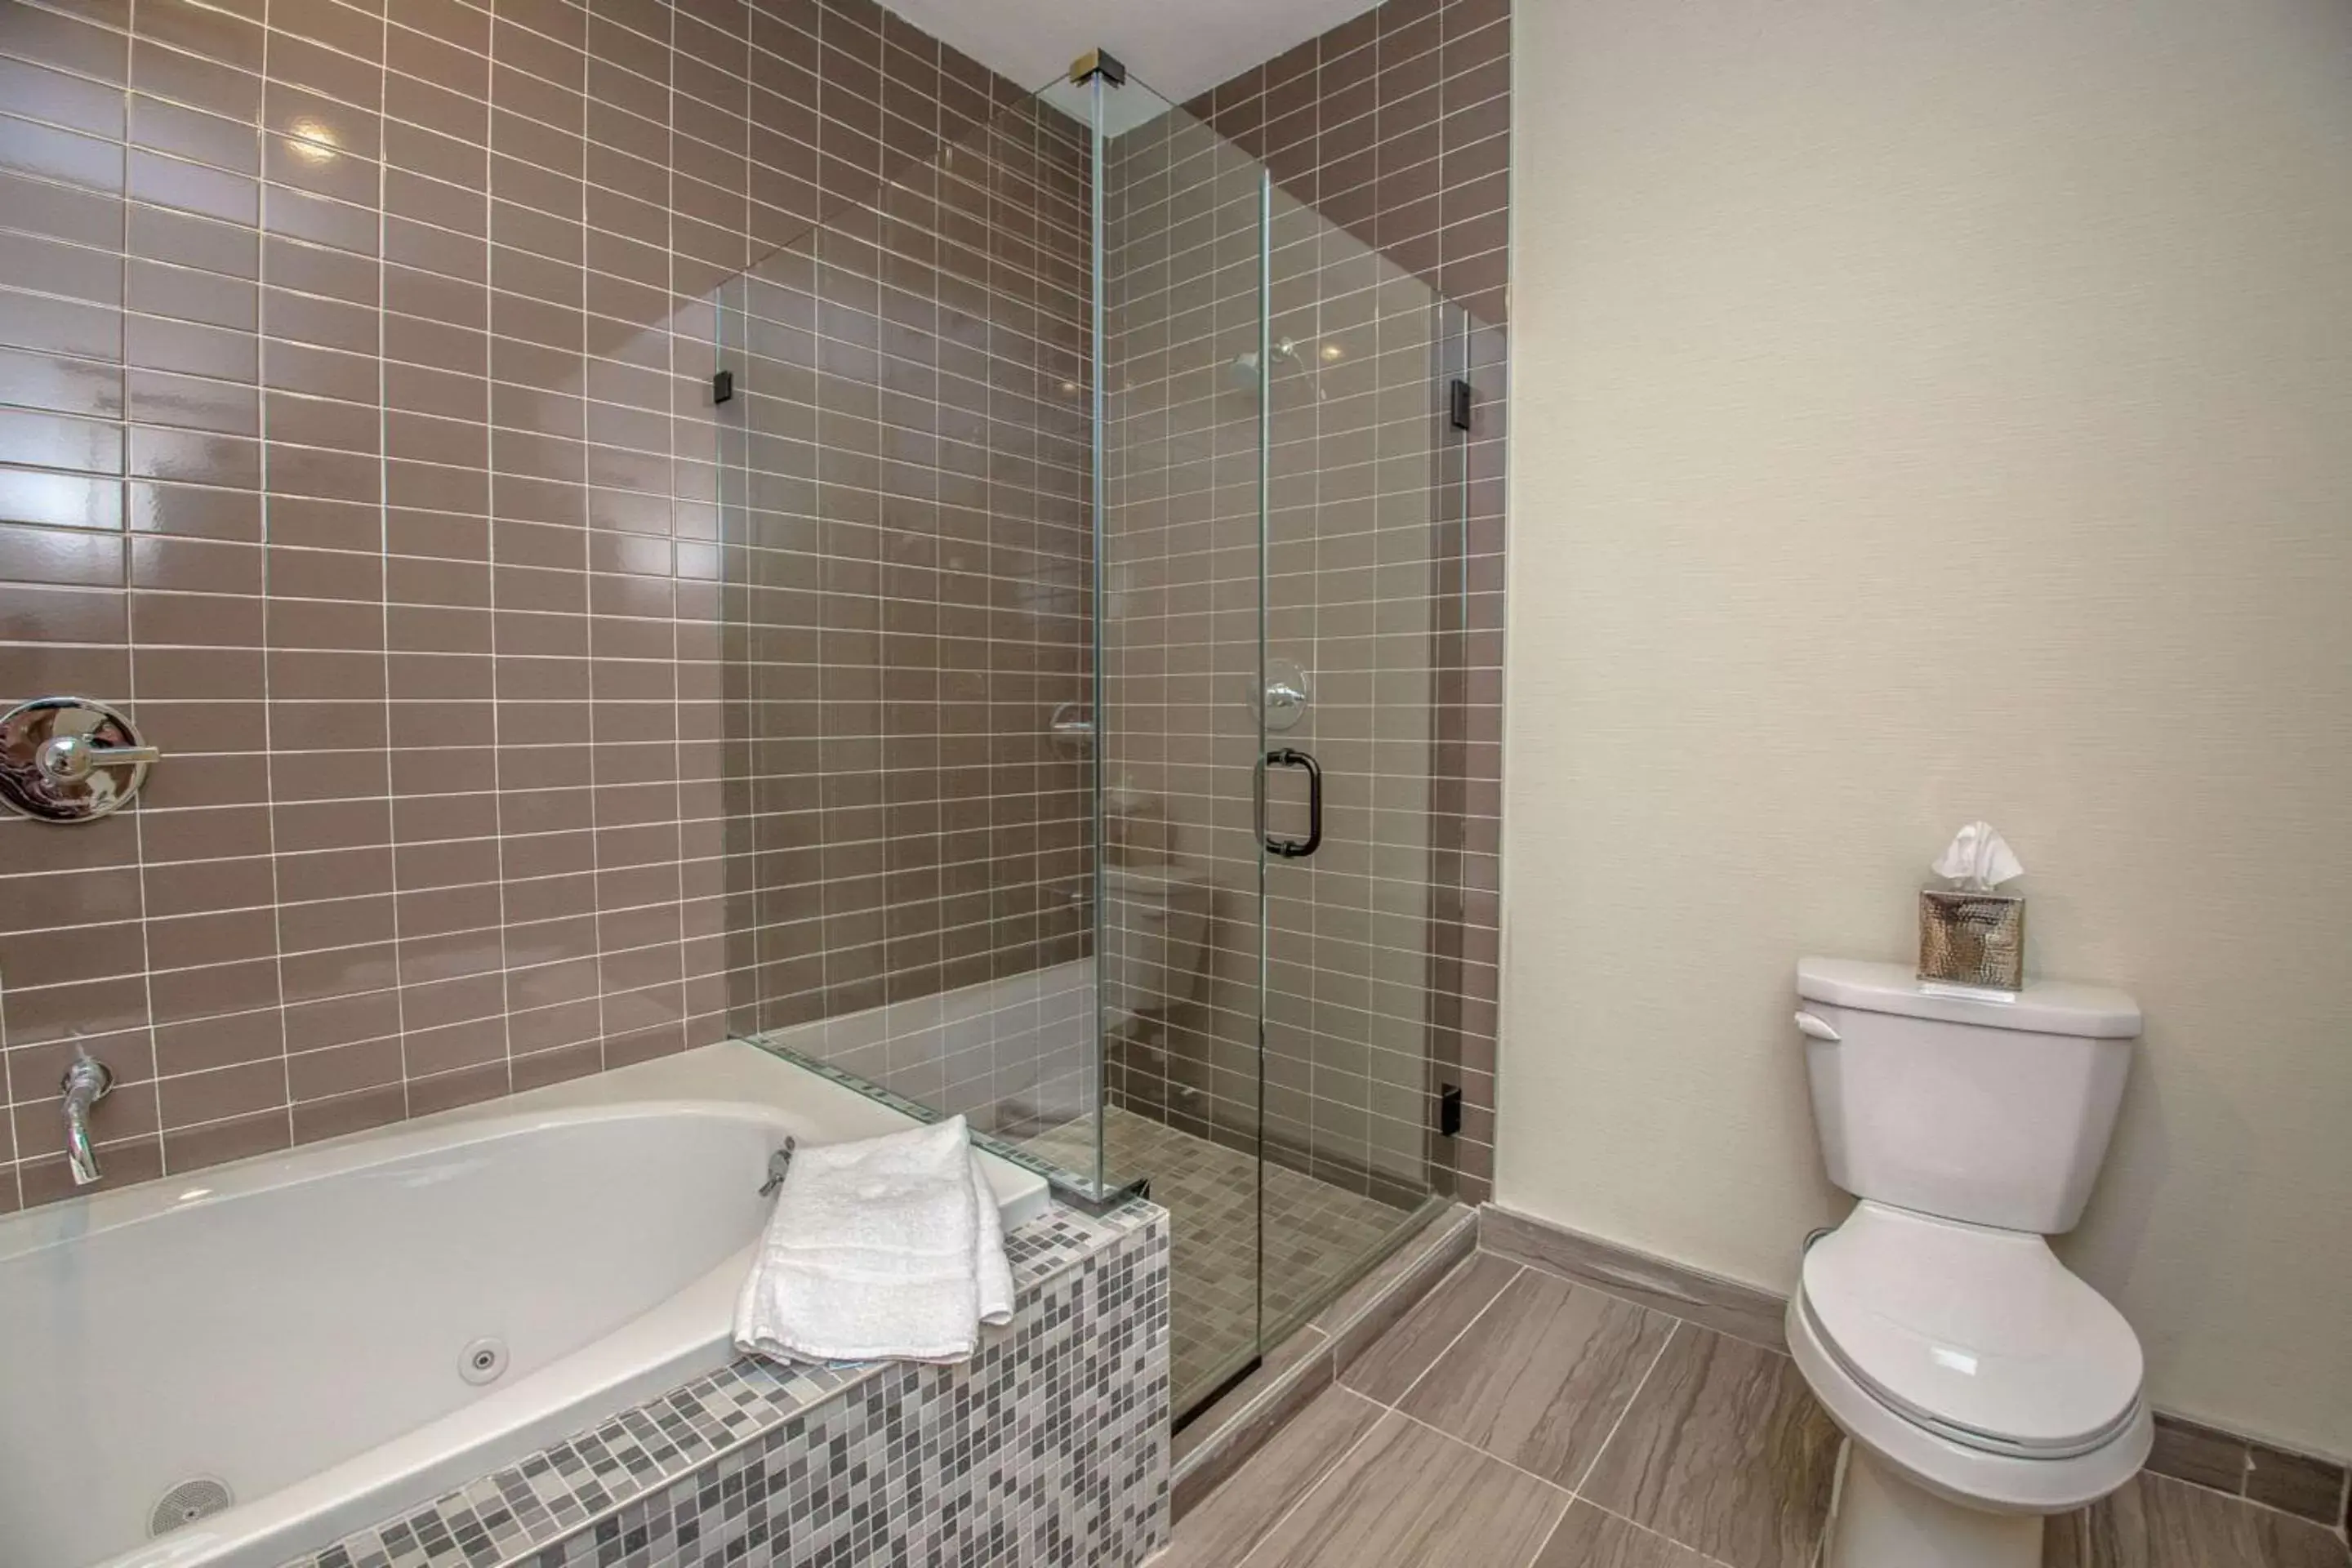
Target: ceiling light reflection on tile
[313, 140]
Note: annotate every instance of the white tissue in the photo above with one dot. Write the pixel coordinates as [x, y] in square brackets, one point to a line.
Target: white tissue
[1978, 859]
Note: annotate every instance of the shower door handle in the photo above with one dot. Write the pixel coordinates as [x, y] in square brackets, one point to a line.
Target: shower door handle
[1296, 848]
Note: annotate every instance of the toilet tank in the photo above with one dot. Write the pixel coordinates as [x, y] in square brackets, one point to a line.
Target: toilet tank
[1993, 1113]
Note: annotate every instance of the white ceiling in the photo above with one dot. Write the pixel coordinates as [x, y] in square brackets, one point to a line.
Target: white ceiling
[1176, 46]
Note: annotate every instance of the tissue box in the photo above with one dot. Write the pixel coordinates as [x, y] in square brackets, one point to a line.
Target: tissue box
[1972, 940]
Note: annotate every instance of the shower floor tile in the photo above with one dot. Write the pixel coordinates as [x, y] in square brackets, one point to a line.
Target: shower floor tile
[1318, 1236]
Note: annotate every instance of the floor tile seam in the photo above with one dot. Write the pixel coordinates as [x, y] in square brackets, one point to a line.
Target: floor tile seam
[1618, 1425]
[2334, 1531]
[1475, 1319]
[1618, 1292]
[1322, 1477]
[1564, 1500]
[1567, 1494]
[1631, 1524]
[1560, 1518]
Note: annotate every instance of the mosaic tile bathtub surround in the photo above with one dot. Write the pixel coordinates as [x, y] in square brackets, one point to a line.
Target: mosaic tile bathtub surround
[1050, 1447]
[1252, 1245]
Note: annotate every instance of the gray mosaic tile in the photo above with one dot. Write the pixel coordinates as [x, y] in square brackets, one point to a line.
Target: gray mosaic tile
[1300, 1240]
[1049, 1448]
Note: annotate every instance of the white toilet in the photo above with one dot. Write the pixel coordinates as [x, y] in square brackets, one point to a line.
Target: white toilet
[1981, 1387]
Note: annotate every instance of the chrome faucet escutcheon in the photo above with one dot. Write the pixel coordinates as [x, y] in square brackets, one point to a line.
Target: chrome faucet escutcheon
[87, 1082]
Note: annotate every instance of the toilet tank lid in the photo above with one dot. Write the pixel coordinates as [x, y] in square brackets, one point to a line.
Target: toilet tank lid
[2044, 1007]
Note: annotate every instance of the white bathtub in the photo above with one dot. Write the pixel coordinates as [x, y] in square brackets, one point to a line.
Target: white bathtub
[295, 1326]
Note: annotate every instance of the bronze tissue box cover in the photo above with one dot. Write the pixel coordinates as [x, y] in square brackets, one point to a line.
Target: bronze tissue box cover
[1972, 939]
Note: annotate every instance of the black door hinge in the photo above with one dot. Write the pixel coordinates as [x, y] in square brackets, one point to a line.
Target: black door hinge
[1458, 410]
[722, 386]
[1449, 1111]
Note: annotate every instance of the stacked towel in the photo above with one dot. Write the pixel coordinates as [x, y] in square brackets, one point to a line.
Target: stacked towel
[886, 1249]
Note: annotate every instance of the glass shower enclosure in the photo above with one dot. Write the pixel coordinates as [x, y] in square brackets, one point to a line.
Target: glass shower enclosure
[1085, 621]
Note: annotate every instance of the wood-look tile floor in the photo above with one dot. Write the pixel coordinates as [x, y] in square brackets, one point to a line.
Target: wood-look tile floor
[1516, 1420]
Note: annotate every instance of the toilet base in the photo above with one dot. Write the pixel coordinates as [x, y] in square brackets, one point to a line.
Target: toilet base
[1884, 1520]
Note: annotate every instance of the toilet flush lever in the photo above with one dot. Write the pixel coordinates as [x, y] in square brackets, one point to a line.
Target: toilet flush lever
[1817, 1027]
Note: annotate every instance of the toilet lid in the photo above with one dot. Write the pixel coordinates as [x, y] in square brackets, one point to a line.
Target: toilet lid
[1979, 1334]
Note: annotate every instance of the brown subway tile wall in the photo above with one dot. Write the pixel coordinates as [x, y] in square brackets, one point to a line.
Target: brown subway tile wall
[355, 435]
[1388, 140]
[1394, 126]
[914, 550]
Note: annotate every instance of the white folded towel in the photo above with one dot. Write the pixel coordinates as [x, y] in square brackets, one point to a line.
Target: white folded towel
[886, 1249]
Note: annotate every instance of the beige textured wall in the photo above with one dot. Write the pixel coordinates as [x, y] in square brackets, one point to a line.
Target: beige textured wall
[1940, 411]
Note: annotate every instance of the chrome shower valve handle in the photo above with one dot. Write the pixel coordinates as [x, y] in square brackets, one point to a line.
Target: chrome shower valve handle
[69, 759]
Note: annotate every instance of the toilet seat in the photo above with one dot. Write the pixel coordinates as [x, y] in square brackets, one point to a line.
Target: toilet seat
[1969, 1476]
[1979, 1336]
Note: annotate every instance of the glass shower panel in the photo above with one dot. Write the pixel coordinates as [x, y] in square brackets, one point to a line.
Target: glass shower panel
[908, 560]
[1362, 535]
[1182, 867]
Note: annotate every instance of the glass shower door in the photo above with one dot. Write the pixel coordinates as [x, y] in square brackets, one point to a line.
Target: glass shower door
[907, 636]
[1364, 546]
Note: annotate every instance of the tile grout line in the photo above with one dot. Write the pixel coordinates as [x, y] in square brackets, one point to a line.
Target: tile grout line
[578, 361]
[1566, 1498]
[1577, 1494]
[384, 362]
[1323, 1477]
[497, 753]
[1422, 1374]
[1620, 1294]
[1656, 1534]
[2333, 1526]
[1630, 1400]
[262, 273]
[1567, 1495]
[130, 659]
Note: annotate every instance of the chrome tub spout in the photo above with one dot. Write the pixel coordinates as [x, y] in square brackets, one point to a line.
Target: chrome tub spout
[86, 1083]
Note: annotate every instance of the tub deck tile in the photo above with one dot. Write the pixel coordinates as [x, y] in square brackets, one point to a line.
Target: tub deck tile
[697, 1473]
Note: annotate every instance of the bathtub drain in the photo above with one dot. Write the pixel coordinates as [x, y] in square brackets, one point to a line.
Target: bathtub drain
[199, 1496]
